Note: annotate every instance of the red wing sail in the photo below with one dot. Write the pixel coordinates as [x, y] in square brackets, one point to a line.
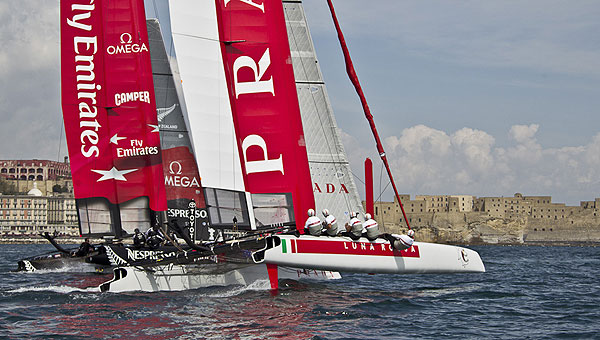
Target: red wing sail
[262, 91]
[108, 102]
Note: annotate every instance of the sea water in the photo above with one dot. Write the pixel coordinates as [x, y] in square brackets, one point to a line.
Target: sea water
[527, 293]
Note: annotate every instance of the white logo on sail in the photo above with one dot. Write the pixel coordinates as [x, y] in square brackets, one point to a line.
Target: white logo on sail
[175, 180]
[177, 166]
[142, 96]
[163, 112]
[126, 35]
[127, 46]
[117, 175]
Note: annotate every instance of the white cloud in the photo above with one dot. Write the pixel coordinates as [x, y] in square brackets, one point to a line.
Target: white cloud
[523, 133]
[430, 161]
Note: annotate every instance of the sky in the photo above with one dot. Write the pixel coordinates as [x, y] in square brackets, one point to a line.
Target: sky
[484, 98]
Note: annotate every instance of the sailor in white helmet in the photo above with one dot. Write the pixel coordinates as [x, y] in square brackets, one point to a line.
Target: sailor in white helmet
[330, 223]
[402, 242]
[313, 224]
[372, 227]
[354, 228]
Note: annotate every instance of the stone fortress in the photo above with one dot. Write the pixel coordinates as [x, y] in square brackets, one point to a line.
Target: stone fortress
[464, 219]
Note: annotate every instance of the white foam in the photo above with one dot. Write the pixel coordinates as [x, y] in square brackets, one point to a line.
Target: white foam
[446, 291]
[55, 289]
[258, 285]
[67, 268]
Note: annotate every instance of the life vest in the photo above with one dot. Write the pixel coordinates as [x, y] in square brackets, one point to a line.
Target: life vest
[333, 229]
[403, 242]
[372, 228]
[357, 226]
[313, 223]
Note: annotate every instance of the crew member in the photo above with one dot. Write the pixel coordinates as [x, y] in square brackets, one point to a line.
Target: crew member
[154, 237]
[313, 224]
[139, 239]
[354, 228]
[402, 242]
[372, 227]
[330, 223]
[84, 249]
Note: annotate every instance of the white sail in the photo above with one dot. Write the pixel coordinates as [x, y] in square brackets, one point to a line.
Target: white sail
[196, 45]
[333, 185]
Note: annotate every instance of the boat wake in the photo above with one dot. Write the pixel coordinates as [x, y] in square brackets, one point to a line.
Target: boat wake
[55, 289]
[437, 292]
[72, 268]
[230, 291]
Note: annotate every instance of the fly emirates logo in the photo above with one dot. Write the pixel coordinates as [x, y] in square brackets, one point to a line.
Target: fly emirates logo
[85, 44]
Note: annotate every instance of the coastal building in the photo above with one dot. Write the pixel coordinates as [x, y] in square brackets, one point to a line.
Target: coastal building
[33, 213]
[21, 174]
[535, 210]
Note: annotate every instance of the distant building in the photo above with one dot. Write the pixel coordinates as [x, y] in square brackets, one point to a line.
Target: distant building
[22, 174]
[33, 213]
[34, 169]
[536, 209]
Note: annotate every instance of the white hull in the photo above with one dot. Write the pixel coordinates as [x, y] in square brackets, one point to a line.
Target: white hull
[363, 256]
[318, 257]
[184, 277]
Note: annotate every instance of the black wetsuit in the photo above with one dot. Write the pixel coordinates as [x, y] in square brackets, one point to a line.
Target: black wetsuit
[139, 240]
[84, 249]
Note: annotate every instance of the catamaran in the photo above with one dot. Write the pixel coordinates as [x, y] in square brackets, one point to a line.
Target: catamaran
[211, 119]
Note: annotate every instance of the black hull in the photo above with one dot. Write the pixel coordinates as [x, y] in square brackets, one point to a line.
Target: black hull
[57, 261]
[98, 261]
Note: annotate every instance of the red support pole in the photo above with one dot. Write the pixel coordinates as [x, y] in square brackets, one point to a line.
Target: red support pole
[354, 79]
[369, 186]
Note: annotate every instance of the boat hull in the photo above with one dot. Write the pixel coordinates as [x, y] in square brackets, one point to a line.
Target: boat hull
[56, 261]
[363, 256]
[106, 256]
[183, 277]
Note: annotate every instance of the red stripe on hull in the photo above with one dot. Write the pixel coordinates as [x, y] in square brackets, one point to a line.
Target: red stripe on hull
[353, 248]
[293, 242]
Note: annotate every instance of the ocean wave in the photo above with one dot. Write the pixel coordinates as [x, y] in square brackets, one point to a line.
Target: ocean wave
[55, 289]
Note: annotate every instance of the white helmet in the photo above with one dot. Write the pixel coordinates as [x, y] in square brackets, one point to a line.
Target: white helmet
[367, 216]
[411, 233]
[325, 212]
[354, 214]
[311, 212]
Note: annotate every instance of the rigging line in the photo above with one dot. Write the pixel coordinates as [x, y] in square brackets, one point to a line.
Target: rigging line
[367, 111]
[363, 182]
[381, 193]
[62, 125]
[312, 96]
[386, 186]
[384, 189]
[199, 37]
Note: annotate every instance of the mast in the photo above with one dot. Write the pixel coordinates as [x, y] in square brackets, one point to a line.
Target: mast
[354, 78]
[369, 186]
